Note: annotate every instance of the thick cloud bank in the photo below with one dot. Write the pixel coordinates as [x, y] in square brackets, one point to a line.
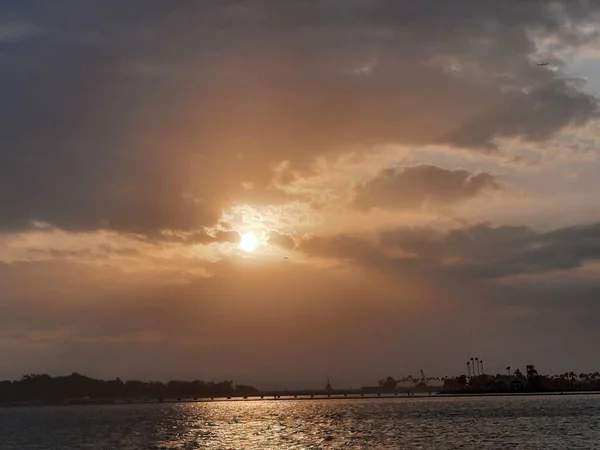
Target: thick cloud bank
[149, 115]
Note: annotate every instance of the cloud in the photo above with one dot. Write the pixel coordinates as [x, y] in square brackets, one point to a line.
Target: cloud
[98, 252]
[281, 240]
[413, 187]
[480, 252]
[203, 236]
[90, 144]
[531, 116]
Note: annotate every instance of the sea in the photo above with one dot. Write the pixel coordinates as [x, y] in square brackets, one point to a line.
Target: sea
[565, 422]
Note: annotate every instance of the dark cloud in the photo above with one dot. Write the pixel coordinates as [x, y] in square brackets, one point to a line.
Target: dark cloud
[202, 236]
[531, 116]
[481, 252]
[282, 240]
[340, 246]
[410, 187]
[142, 116]
[95, 253]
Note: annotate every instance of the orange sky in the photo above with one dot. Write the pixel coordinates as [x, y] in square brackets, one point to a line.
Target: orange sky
[419, 189]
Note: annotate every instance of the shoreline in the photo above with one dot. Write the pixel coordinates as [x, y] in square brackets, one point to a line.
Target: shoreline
[283, 397]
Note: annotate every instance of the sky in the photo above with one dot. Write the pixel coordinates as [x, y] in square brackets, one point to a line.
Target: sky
[421, 191]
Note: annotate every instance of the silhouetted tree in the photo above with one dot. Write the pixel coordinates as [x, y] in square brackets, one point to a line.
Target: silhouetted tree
[76, 386]
[531, 377]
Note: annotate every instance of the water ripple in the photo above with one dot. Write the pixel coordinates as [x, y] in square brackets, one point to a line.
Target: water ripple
[548, 423]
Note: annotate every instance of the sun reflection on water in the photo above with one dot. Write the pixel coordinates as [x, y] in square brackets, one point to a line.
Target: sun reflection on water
[541, 422]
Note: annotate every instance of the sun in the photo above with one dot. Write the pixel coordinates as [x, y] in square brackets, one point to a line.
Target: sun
[248, 241]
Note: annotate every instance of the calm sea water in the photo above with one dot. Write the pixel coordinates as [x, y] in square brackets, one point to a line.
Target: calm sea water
[549, 422]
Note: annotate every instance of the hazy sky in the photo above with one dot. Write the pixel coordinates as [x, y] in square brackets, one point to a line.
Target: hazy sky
[434, 190]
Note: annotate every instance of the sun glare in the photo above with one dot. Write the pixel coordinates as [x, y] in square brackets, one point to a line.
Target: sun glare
[248, 242]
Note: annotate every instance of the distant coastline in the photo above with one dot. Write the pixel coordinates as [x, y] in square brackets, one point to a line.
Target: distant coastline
[77, 389]
[289, 396]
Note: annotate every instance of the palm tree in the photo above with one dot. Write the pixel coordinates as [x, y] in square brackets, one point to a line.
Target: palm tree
[508, 370]
[531, 373]
[572, 376]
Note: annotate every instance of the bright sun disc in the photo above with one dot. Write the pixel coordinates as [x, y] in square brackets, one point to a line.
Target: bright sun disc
[248, 242]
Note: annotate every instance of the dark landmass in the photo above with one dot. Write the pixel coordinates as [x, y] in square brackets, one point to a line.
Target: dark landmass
[76, 388]
[79, 389]
[477, 382]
